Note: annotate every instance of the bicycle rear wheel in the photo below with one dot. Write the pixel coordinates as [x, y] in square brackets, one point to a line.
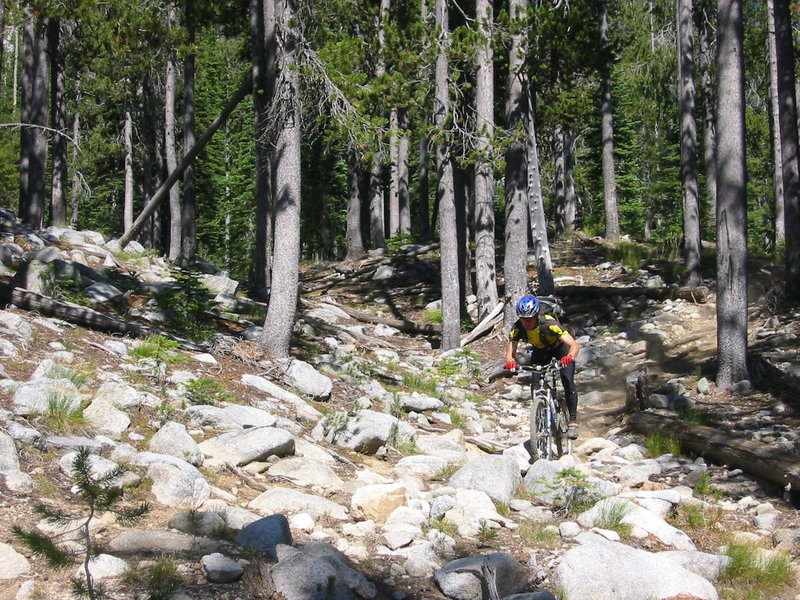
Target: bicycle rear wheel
[540, 430]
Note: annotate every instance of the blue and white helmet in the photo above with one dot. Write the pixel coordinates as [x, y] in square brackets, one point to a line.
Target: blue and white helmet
[528, 306]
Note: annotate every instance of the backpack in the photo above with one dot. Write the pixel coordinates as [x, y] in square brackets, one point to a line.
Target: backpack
[551, 305]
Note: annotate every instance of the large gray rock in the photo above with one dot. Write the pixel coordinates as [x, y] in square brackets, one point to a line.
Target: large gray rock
[218, 568]
[419, 402]
[604, 570]
[366, 430]
[547, 481]
[464, 579]
[265, 534]
[198, 522]
[301, 408]
[708, 566]
[306, 472]
[498, 476]
[284, 500]
[99, 467]
[104, 566]
[15, 480]
[176, 483]
[636, 516]
[351, 578]
[120, 395]
[243, 447]
[12, 563]
[139, 541]
[449, 446]
[172, 439]
[37, 396]
[420, 465]
[308, 380]
[302, 577]
[105, 418]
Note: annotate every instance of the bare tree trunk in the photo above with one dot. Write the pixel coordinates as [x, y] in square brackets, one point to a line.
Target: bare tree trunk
[775, 122]
[403, 177]
[355, 243]
[127, 137]
[485, 271]
[424, 207]
[516, 232]
[189, 206]
[174, 249]
[607, 128]
[58, 192]
[33, 139]
[76, 190]
[376, 191]
[570, 195]
[538, 220]
[559, 180]
[787, 103]
[394, 173]
[709, 123]
[277, 336]
[2, 41]
[731, 199]
[688, 127]
[451, 294]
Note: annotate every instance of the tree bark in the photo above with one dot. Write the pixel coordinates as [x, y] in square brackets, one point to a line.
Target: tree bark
[570, 195]
[173, 177]
[376, 187]
[538, 220]
[775, 122]
[127, 142]
[58, 191]
[559, 181]
[355, 243]
[189, 206]
[485, 270]
[403, 177]
[423, 207]
[688, 129]
[709, 124]
[451, 293]
[731, 198]
[277, 335]
[394, 173]
[76, 190]
[170, 151]
[787, 104]
[516, 173]
[607, 129]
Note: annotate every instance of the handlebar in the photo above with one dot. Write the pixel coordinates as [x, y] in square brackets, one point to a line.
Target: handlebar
[554, 364]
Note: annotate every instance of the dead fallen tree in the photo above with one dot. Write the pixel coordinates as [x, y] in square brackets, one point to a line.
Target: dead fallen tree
[588, 292]
[756, 458]
[83, 316]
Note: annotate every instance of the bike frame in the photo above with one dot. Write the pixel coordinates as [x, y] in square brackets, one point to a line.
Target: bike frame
[548, 421]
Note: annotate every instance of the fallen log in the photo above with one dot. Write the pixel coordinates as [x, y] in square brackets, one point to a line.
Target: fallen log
[699, 294]
[488, 323]
[403, 325]
[761, 460]
[83, 316]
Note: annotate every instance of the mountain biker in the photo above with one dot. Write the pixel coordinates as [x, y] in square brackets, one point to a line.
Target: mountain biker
[546, 340]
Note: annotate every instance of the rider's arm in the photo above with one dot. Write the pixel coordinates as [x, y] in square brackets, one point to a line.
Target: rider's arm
[574, 346]
[511, 351]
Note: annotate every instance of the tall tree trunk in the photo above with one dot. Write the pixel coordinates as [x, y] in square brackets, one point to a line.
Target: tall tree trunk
[403, 177]
[423, 207]
[33, 138]
[516, 231]
[560, 181]
[394, 173]
[538, 220]
[355, 243]
[277, 335]
[76, 190]
[731, 198]
[485, 271]
[376, 191]
[58, 191]
[570, 195]
[607, 128]
[189, 206]
[688, 128]
[174, 248]
[127, 138]
[451, 293]
[2, 42]
[709, 123]
[787, 104]
[262, 31]
[775, 122]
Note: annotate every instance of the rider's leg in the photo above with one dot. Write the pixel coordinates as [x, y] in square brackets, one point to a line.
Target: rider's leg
[570, 392]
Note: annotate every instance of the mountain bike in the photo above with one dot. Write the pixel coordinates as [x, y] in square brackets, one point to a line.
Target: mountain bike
[549, 417]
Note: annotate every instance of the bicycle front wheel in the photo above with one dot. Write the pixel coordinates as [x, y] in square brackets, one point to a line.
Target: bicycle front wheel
[540, 429]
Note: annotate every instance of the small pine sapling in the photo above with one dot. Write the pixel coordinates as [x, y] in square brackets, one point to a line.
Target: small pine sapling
[99, 494]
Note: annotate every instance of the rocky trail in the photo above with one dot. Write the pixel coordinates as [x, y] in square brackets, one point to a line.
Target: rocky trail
[372, 465]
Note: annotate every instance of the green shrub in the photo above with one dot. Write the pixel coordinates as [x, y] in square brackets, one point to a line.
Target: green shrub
[187, 305]
[658, 444]
[432, 316]
[158, 348]
[755, 575]
[64, 413]
[207, 391]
